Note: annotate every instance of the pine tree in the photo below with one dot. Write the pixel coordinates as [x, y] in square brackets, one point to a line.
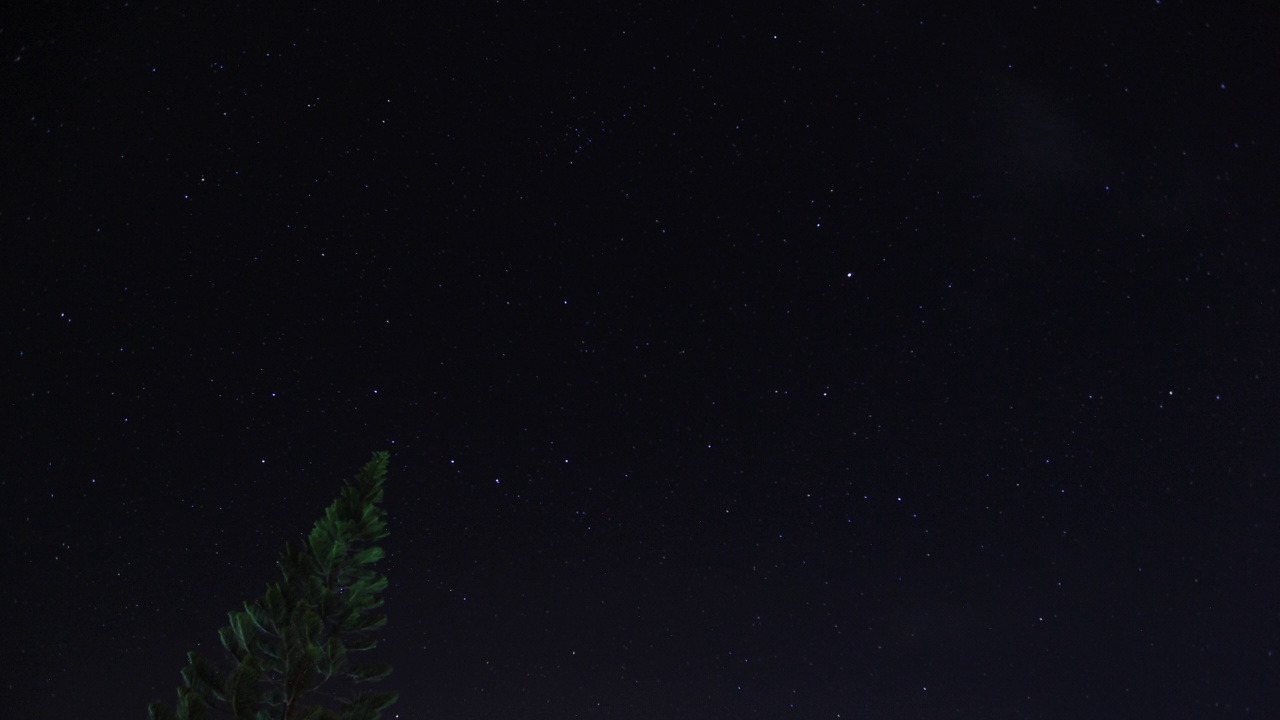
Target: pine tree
[297, 638]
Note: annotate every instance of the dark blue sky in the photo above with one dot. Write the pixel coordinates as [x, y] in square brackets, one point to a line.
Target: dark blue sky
[834, 362]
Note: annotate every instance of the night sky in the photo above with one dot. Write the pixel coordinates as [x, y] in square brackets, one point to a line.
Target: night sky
[832, 360]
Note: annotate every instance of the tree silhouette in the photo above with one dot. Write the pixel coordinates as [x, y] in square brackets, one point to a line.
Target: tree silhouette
[289, 650]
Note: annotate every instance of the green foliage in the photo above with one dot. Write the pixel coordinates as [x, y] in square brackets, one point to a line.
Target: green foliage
[299, 636]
